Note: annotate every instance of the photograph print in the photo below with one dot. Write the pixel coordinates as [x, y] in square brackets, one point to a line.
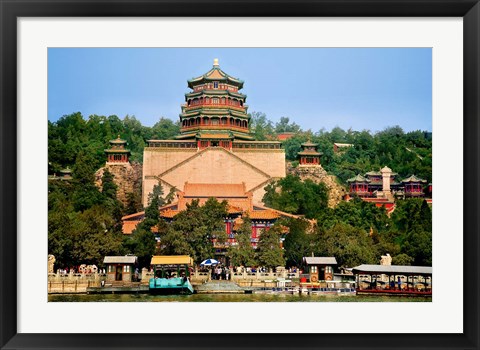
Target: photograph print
[240, 174]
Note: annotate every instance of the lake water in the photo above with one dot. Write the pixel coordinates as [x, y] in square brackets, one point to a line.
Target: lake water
[228, 298]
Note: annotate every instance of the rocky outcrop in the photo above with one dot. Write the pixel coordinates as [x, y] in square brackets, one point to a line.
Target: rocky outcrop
[319, 175]
[127, 176]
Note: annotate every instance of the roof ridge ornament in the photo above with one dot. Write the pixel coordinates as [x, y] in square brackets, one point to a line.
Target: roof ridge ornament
[215, 62]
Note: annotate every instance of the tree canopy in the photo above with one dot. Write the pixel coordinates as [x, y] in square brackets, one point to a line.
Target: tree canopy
[192, 231]
[295, 196]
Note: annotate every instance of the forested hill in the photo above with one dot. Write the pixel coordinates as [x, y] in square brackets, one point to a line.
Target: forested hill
[84, 222]
[72, 134]
[405, 153]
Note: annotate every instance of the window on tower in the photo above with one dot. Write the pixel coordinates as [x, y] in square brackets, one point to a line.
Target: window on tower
[215, 84]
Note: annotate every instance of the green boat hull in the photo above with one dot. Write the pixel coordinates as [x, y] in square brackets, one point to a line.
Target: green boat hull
[176, 285]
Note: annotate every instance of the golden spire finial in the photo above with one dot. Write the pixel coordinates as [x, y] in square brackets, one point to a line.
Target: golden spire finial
[118, 137]
[215, 62]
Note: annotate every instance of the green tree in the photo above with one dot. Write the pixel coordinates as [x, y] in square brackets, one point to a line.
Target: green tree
[298, 243]
[260, 126]
[349, 245]
[402, 259]
[418, 245]
[292, 195]
[134, 204]
[243, 253]
[109, 188]
[86, 194]
[284, 126]
[142, 243]
[60, 228]
[269, 252]
[152, 213]
[357, 213]
[164, 129]
[192, 231]
[292, 146]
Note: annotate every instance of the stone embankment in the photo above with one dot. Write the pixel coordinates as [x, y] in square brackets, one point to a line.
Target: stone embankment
[319, 175]
[239, 281]
[73, 282]
[247, 278]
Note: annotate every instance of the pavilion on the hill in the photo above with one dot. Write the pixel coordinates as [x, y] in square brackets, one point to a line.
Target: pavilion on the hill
[309, 155]
[413, 186]
[118, 152]
[359, 186]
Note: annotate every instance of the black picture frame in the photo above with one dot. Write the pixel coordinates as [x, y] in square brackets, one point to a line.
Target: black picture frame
[10, 10]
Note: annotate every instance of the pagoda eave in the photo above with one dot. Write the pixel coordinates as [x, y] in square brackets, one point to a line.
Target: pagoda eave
[186, 136]
[201, 80]
[215, 92]
[117, 151]
[310, 153]
[215, 137]
[215, 112]
[243, 136]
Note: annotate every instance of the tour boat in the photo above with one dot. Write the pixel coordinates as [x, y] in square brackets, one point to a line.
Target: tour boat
[171, 275]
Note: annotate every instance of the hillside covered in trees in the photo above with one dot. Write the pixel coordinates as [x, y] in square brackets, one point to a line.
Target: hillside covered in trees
[406, 153]
[84, 221]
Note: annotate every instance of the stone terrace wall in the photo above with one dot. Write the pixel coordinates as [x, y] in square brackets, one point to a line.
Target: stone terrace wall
[213, 165]
[73, 282]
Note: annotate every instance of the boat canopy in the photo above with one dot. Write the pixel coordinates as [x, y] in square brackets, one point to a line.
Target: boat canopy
[171, 260]
[393, 269]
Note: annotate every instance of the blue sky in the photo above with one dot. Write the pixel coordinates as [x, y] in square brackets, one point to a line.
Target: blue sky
[366, 88]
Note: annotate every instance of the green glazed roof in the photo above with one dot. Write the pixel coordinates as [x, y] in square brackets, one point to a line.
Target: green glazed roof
[67, 170]
[118, 150]
[358, 178]
[118, 140]
[215, 92]
[310, 153]
[413, 178]
[309, 144]
[207, 77]
[214, 111]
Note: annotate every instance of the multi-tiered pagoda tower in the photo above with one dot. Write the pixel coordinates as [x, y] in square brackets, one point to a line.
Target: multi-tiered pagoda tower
[215, 112]
[214, 146]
